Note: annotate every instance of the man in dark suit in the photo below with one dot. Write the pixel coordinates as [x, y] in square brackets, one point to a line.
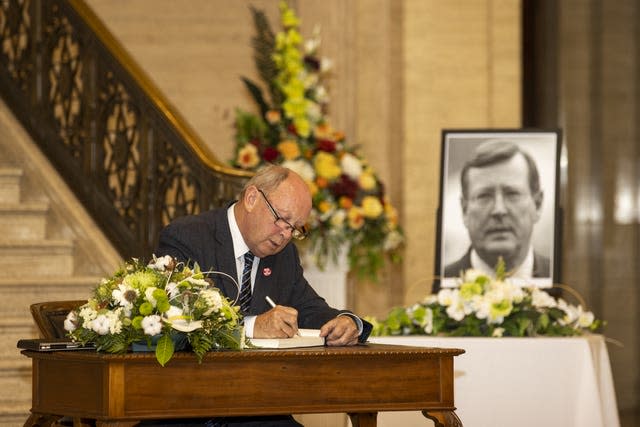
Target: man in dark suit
[501, 202]
[272, 208]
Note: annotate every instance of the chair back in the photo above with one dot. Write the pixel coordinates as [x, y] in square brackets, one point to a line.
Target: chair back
[49, 316]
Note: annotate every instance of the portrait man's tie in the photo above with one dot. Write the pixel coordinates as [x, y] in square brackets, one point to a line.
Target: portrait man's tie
[245, 289]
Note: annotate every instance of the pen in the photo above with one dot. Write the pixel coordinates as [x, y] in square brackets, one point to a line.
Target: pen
[273, 305]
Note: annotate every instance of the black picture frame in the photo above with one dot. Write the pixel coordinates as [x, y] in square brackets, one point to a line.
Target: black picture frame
[452, 237]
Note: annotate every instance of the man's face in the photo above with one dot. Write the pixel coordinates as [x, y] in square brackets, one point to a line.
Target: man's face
[291, 201]
[500, 210]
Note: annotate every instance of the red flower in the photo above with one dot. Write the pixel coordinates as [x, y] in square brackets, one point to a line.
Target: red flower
[270, 154]
[326, 145]
[345, 186]
[312, 62]
[292, 129]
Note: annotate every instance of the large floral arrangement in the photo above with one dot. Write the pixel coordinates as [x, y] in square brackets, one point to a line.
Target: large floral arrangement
[488, 306]
[349, 202]
[157, 304]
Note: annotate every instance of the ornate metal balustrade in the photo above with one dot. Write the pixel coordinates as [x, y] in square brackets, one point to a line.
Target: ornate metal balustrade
[129, 157]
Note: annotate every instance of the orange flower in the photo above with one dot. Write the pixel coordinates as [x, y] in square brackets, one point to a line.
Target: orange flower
[322, 182]
[338, 136]
[346, 202]
[323, 131]
[273, 116]
[289, 149]
[356, 218]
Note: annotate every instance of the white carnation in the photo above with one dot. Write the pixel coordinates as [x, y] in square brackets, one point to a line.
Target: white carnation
[351, 166]
[152, 325]
[302, 168]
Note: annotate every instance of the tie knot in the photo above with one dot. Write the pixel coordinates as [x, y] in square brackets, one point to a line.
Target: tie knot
[248, 256]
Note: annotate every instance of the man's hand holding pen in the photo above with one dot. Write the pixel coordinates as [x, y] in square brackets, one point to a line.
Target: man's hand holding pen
[279, 322]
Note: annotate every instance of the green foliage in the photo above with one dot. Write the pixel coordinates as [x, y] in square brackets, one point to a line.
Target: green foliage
[164, 349]
[263, 49]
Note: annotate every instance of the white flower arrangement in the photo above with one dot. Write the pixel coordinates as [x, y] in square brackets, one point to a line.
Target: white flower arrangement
[486, 306]
[162, 300]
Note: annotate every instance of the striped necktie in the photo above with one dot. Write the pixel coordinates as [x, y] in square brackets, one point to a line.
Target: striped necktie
[245, 289]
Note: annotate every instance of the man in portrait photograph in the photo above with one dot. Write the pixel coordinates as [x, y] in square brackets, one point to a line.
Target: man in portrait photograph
[501, 200]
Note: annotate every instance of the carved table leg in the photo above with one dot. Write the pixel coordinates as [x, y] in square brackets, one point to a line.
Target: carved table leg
[363, 419]
[42, 420]
[443, 418]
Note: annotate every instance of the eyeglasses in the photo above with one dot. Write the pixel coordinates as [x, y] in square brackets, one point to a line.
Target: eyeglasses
[282, 223]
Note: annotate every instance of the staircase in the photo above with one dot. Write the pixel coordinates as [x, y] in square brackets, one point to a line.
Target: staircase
[49, 250]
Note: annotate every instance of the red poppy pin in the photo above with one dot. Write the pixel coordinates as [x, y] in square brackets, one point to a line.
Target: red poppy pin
[266, 272]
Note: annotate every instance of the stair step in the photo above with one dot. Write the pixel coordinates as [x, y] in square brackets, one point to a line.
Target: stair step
[20, 293]
[15, 394]
[37, 257]
[23, 220]
[10, 178]
[12, 331]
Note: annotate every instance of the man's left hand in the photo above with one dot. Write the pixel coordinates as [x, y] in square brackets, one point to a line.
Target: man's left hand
[341, 330]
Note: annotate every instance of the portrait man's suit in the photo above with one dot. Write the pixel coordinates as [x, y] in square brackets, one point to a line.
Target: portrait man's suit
[541, 265]
[206, 239]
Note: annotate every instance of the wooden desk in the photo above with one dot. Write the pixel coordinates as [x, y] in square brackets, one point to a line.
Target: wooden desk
[120, 390]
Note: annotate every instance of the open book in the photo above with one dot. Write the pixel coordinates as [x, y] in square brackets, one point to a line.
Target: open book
[307, 338]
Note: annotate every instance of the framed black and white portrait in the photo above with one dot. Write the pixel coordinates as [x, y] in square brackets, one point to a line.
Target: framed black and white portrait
[499, 200]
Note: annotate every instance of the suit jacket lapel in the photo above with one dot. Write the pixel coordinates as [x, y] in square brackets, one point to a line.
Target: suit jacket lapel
[263, 286]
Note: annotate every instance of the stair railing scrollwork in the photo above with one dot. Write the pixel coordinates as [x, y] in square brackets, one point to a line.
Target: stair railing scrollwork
[123, 149]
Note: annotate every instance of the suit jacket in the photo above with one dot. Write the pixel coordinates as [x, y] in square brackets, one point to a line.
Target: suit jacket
[206, 239]
[541, 265]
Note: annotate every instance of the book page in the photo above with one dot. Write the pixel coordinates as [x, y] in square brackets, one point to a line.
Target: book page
[307, 338]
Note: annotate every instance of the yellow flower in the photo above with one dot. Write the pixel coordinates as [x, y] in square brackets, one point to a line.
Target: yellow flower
[288, 16]
[356, 218]
[248, 156]
[326, 166]
[371, 207]
[367, 181]
[391, 213]
[313, 188]
[302, 127]
[325, 206]
[289, 149]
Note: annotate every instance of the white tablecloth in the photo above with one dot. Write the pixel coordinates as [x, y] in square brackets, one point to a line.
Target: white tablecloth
[523, 382]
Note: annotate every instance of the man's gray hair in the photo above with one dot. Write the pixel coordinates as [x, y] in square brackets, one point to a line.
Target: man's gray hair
[494, 151]
[267, 179]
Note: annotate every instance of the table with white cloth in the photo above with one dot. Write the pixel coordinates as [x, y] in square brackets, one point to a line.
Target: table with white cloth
[524, 382]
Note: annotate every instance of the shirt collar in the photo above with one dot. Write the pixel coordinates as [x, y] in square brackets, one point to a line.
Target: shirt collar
[239, 245]
[525, 271]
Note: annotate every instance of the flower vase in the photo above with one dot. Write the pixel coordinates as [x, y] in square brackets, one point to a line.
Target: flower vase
[179, 343]
[329, 282]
